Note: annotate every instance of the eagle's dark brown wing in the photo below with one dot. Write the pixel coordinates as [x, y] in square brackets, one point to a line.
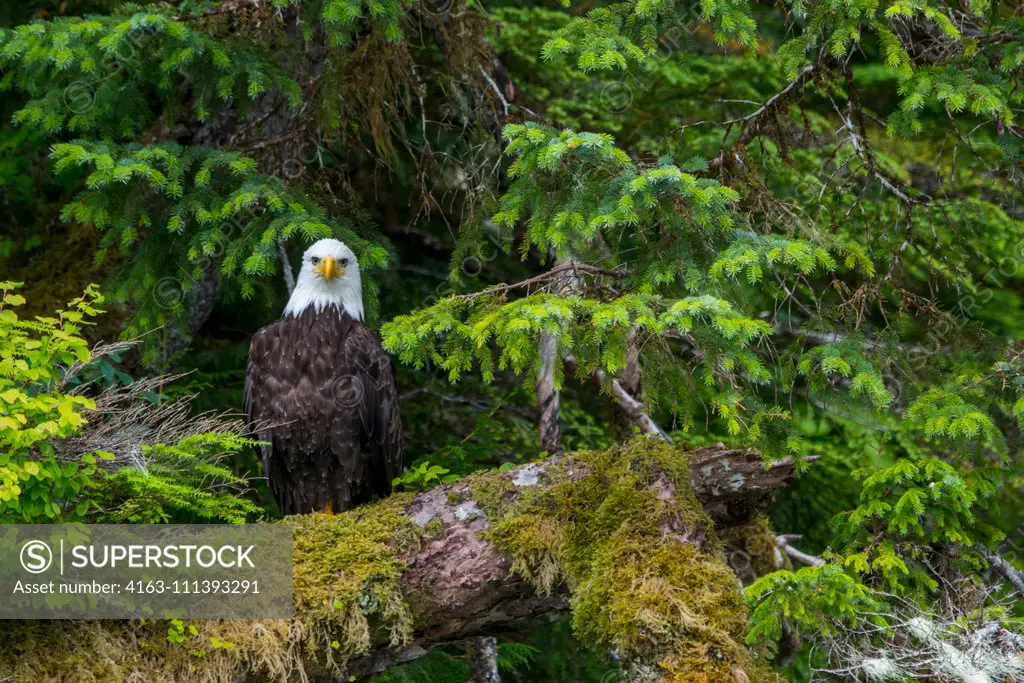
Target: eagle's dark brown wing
[321, 391]
[377, 406]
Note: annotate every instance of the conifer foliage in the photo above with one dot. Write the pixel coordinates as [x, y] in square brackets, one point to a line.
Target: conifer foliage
[793, 225]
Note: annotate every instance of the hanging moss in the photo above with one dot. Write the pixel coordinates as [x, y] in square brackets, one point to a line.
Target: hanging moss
[647, 575]
[346, 577]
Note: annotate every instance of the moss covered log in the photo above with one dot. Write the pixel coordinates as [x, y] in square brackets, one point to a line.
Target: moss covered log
[619, 537]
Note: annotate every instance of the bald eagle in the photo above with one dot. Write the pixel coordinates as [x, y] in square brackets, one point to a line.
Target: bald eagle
[321, 391]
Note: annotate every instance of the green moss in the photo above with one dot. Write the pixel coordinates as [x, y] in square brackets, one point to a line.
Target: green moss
[435, 527]
[346, 586]
[536, 544]
[647, 575]
[492, 491]
[104, 652]
[21, 643]
[346, 577]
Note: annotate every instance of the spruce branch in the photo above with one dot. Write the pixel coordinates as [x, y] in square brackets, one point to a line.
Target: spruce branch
[552, 277]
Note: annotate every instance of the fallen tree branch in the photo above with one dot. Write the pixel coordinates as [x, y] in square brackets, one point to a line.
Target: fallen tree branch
[384, 583]
[733, 484]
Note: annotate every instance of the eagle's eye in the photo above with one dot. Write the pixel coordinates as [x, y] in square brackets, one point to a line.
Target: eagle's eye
[343, 262]
[315, 260]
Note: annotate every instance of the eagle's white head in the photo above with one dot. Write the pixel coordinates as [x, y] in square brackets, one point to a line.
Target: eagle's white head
[329, 277]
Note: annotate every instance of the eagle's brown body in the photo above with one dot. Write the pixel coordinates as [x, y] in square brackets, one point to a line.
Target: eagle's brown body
[321, 391]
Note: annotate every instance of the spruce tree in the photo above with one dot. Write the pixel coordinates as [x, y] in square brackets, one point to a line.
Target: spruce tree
[795, 227]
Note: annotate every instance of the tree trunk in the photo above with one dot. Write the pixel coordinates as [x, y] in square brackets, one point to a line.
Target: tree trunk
[619, 537]
[629, 378]
[548, 397]
[483, 660]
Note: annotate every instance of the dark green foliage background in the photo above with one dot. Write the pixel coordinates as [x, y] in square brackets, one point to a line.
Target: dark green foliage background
[414, 185]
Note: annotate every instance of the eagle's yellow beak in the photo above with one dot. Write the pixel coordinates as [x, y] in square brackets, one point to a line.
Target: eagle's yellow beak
[328, 268]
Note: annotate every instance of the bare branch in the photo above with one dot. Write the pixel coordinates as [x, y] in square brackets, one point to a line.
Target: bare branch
[797, 554]
[1001, 565]
[548, 397]
[554, 276]
[751, 123]
[496, 89]
[286, 266]
[632, 407]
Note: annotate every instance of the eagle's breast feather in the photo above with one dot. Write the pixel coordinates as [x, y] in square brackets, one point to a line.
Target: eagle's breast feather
[321, 392]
